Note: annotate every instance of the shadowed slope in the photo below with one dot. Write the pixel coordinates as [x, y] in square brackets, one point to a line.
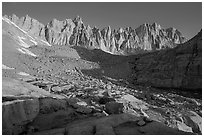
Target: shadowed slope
[180, 67]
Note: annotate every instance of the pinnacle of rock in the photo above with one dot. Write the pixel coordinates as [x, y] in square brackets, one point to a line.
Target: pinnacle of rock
[122, 41]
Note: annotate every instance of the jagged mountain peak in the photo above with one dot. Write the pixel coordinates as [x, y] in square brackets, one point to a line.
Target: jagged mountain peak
[174, 30]
[78, 20]
[175, 34]
[156, 26]
[117, 41]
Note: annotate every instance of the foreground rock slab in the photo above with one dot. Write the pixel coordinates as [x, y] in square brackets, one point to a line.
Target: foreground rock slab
[119, 124]
[16, 114]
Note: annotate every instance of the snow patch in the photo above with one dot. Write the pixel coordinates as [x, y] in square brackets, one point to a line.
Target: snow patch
[22, 43]
[34, 42]
[32, 39]
[46, 42]
[26, 51]
[6, 20]
[23, 74]
[6, 67]
[10, 22]
[21, 37]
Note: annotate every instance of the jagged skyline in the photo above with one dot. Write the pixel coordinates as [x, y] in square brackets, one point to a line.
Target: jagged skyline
[186, 17]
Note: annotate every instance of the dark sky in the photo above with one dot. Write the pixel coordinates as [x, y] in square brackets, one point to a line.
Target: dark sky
[186, 17]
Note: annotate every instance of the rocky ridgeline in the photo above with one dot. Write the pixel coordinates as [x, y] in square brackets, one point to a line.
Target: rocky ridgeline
[180, 67]
[122, 41]
[30, 25]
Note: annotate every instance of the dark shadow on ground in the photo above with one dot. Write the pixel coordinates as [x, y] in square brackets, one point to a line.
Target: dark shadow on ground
[114, 66]
[117, 69]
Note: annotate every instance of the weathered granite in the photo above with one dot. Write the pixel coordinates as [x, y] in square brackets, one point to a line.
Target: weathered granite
[180, 67]
[146, 37]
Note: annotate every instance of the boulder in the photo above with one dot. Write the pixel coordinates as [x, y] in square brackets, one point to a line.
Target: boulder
[147, 119]
[134, 102]
[98, 125]
[76, 102]
[80, 105]
[183, 127]
[56, 89]
[105, 100]
[49, 105]
[193, 120]
[63, 89]
[114, 107]
[120, 124]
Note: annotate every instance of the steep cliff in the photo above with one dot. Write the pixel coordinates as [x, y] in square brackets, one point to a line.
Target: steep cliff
[28, 24]
[180, 67]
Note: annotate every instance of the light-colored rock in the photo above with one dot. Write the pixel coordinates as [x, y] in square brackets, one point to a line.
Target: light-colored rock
[12, 87]
[134, 102]
[79, 105]
[57, 89]
[183, 127]
[147, 119]
[29, 25]
[100, 114]
[121, 41]
[117, 92]
[109, 87]
[193, 120]
[64, 88]
[76, 102]
[131, 98]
